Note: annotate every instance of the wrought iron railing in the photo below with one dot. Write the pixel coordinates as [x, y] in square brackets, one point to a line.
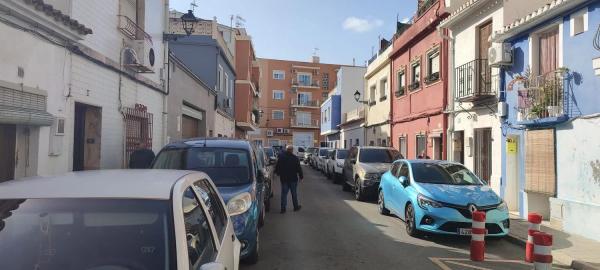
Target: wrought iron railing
[305, 103]
[133, 31]
[474, 80]
[352, 115]
[543, 96]
[424, 6]
[313, 83]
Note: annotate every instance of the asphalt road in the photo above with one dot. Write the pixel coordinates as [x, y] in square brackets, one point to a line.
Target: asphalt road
[334, 231]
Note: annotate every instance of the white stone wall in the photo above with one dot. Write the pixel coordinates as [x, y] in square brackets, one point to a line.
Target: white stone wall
[350, 79]
[376, 71]
[224, 126]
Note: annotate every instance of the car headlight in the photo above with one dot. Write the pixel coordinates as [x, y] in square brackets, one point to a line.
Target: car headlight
[239, 204]
[424, 202]
[502, 206]
[371, 177]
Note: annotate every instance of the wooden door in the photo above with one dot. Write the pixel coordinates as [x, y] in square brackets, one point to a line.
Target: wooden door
[484, 33]
[548, 51]
[93, 136]
[484, 73]
[189, 127]
[8, 137]
[483, 153]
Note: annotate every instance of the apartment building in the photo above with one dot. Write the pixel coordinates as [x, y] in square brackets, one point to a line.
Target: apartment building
[247, 88]
[377, 79]
[292, 92]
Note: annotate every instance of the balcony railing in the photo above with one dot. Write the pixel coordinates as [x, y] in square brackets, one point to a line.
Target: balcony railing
[424, 6]
[352, 115]
[313, 83]
[306, 103]
[133, 31]
[304, 123]
[474, 81]
[542, 97]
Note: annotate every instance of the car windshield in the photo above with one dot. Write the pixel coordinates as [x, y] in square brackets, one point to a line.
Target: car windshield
[323, 152]
[312, 150]
[379, 155]
[342, 154]
[74, 234]
[444, 174]
[225, 166]
[269, 152]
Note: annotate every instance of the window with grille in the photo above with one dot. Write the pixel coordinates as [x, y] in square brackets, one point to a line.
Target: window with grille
[421, 145]
[138, 129]
[278, 115]
[401, 85]
[433, 66]
[415, 74]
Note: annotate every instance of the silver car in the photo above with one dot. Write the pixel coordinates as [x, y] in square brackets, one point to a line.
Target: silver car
[335, 164]
[363, 169]
[322, 156]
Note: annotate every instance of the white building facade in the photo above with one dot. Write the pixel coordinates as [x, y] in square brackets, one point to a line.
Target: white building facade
[352, 132]
[377, 85]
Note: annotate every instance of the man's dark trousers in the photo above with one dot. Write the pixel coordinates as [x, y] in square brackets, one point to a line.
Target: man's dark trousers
[285, 188]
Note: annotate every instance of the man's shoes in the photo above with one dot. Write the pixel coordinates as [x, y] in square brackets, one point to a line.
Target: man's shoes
[282, 211]
[296, 209]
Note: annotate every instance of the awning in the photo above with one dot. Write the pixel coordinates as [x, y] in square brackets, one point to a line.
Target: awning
[21, 116]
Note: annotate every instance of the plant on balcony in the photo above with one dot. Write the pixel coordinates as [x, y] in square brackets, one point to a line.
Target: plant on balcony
[432, 78]
[415, 85]
[400, 91]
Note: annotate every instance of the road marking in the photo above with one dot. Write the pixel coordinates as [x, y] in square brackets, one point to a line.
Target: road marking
[442, 263]
[470, 266]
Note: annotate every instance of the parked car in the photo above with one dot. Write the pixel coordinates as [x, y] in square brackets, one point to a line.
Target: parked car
[314, 158]
[104, 220]
[363, 169]
[322, 158]
[268, 165]
[439, 197]
[308, 154]
[232, 165]
[335, 164]
[299, 151]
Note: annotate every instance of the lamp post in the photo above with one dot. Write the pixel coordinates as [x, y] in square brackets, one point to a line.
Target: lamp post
[189, 21]
[364, 103]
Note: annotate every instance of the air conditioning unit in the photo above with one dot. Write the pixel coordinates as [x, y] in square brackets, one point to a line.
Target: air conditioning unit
[227, 103]
[500, 54]
[270, 133]
[279, 130]
[145, 55]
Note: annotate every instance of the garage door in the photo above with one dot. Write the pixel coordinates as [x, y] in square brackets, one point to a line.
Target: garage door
[303, 139]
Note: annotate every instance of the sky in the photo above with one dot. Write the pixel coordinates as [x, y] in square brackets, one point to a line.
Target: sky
[292, 29]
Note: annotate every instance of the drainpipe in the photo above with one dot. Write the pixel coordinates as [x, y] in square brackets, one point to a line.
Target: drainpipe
[450, 88]
[166, 83]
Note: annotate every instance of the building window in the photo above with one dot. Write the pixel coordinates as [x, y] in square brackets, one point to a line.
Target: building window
[278, 75]
[357, 142]
[305, 79]
[278, 95]
[372, 93]
[219, 85]
[325, 94]
[403, 146]
[383, 89]
[325, 81]
[278, 115]
[579, 22]
[421, 146]
[401, 85]
[433, 66]
[415, 76]
[226, 83]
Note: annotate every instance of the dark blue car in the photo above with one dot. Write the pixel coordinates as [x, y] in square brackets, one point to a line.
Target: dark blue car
[234, 168]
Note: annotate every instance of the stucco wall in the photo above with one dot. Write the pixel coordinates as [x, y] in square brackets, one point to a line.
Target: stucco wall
[354, 131]
[224, 125]
[350, 79]
[380, 112]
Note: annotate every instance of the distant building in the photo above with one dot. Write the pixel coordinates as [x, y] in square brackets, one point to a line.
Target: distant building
[209, 54]
[377, 82]
[550, 144]
[247, 89]
[331, 114]
[419, 82]
[292, 92]
[352, 132]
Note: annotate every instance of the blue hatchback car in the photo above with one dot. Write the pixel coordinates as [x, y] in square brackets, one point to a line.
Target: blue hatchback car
[235, 170]
[439, 197]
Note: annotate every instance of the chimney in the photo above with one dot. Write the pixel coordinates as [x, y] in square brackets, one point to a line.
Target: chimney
[316, 59]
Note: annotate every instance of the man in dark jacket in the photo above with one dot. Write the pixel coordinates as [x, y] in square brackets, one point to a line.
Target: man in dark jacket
[289, 171]
[142, 157]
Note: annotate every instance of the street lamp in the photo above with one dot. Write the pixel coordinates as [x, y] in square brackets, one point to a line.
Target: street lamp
[357, 98]
[188, 20]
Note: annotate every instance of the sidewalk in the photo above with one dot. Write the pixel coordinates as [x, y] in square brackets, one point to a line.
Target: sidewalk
[569, 250]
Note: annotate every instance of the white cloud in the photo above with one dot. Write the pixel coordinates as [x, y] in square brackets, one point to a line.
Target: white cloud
[405, 20]
[361, 25]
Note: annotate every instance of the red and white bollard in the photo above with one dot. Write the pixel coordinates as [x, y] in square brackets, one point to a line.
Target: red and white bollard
[542, 251]
[478, 237]
[535, 221]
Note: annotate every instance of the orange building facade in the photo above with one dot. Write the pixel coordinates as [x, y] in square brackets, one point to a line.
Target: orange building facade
[247, 88]
[290, 100]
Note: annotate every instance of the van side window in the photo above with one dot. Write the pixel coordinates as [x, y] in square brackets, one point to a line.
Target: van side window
[200, 242]
[214, 207]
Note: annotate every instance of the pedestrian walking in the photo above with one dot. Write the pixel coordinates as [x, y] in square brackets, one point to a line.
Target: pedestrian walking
[142, 157]
[290, 173]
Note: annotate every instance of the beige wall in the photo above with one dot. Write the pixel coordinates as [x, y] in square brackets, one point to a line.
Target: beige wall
[378, 115]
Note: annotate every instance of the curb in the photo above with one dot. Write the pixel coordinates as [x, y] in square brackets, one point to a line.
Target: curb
[516, 240]
[581, 265]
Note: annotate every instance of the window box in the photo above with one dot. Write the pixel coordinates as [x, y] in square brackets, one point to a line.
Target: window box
[432, 78]
[381, 99]
[400, 91]
[415, 86]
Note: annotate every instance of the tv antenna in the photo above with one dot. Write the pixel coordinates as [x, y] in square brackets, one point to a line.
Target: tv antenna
[193, 5]
[239, 21]
[315, 51]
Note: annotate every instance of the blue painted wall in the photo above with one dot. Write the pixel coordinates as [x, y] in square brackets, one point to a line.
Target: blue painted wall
[334, 104]
[203, 55]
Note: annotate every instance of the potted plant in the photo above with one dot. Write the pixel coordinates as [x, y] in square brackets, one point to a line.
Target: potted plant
[562, 72]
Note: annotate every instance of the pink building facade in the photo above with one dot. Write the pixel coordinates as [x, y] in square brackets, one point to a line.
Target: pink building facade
[419, 85]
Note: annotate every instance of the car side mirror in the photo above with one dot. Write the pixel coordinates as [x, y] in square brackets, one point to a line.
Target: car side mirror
[403, 180]
[212, 266]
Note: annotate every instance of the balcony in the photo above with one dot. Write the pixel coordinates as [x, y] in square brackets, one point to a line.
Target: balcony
[306, 103]
[353, 115]
[474, 82]
[424, 6]
[131, 30]
[542, 100]
[305, 84]
[304, 123]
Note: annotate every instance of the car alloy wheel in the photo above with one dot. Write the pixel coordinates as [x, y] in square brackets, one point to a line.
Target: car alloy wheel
[358, 194]
[381, 204]
[409, 218]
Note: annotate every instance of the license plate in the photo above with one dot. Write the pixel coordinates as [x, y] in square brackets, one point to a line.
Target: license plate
[467, 231]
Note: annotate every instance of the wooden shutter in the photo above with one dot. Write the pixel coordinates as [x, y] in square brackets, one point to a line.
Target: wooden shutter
[540, 172]
[548, 52]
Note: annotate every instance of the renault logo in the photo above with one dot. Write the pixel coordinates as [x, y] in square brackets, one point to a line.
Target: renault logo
[472, 208]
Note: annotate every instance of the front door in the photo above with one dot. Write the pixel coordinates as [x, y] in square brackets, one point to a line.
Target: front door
[7, 147]
[87, 137]
[483, 153]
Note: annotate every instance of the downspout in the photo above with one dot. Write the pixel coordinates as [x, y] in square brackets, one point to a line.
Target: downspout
[449, 98]
[167, 84]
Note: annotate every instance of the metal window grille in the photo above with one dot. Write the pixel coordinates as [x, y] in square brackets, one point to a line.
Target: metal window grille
[138, 128]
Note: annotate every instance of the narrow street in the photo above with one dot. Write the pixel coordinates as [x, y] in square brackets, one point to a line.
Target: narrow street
[334, 231]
